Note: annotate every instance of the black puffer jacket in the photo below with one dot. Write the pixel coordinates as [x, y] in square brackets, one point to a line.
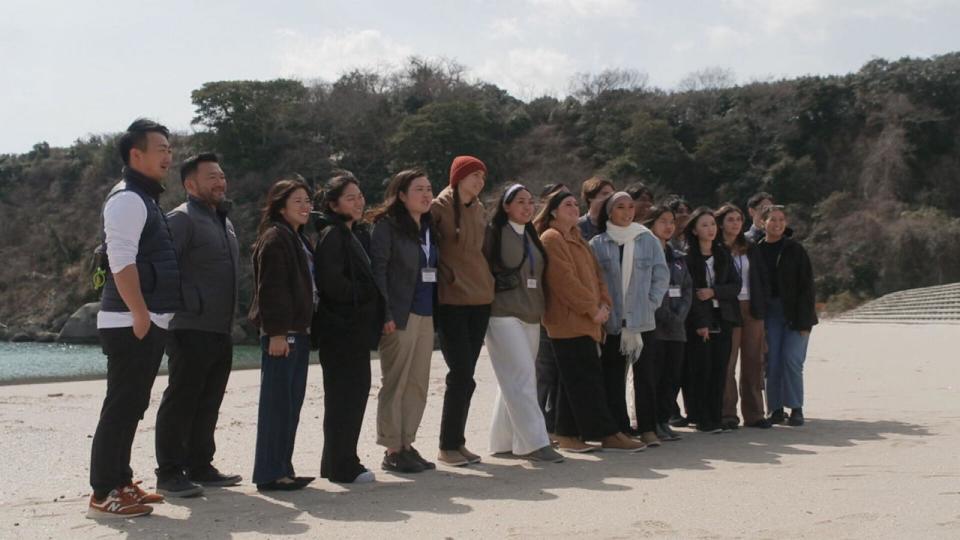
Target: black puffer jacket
[350, 302]
[795, 280]
[726, 287]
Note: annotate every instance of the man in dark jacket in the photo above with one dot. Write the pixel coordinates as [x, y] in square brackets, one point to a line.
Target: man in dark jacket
[200, 349]
[140, 295]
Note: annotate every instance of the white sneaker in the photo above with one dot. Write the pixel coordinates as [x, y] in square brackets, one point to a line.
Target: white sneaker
[365, 477]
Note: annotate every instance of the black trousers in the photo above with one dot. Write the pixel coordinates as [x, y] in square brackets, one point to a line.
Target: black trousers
[346, 388]
[199, 365]
[548, 380]
[708, 365]
[614, 366]
[670, 361]
[461, 330]
[581, 406]
[132, 366]
[646, 371]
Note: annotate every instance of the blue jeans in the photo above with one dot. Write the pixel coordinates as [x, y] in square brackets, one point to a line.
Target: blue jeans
[786, 352]
[283, 384]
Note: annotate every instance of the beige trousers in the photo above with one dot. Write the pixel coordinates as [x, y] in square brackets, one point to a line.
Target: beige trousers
[748, 343]
[405, 379]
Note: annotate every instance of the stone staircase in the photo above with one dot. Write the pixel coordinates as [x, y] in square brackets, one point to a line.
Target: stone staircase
[939, 304]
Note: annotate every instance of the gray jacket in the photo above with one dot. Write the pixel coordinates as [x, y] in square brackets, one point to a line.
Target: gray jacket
[395, 261]
[207, 252]
[648, 281]
[672, 314]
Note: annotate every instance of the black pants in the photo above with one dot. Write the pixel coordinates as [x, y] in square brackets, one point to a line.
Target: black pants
[614, 366]
[132, 366]
[646, 372]
[548, 380]
[461, 329]
[199, 368]
[581, 402]
[670, 360]
[708, 365]
[346, 388]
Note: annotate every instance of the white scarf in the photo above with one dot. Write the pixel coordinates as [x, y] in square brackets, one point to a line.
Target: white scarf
[631, 344]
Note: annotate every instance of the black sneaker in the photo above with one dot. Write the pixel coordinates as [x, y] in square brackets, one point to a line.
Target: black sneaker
[427, 465]
[709, 427]
[211, 477]
[777, 417]
[178, 485]
[731, 424]
[796, 417]
[679, 421]
[401, 462]
[763, 423]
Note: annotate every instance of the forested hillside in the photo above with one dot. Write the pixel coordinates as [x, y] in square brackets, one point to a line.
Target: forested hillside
[867, 162]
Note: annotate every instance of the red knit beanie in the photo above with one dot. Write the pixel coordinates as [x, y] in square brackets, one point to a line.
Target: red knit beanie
[463, 166]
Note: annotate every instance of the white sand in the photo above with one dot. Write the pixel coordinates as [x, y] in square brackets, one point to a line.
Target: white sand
[879, 457]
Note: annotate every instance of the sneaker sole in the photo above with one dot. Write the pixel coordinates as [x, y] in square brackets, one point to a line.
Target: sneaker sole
[93, 513]
[624, 450]
[463, 463]
[185, 494]
[586, 450]
[219, 483]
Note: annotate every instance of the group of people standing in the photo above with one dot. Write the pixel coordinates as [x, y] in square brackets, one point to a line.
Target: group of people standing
[567, 305]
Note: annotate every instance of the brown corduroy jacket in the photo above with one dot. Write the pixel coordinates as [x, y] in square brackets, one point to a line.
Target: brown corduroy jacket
[465, 278]
[575, 288]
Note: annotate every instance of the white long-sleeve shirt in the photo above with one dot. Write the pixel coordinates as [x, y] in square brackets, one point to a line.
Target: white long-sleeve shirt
[124, 216]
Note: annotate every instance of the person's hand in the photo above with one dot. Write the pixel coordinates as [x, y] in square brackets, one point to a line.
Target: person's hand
[389, 327]
[704, 333]
[601, 315]
[141, 325]
[705, 294]
[278, 346]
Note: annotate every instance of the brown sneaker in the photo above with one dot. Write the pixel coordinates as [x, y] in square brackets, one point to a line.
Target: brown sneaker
[143, 497]
[118, 504]
[575, 445]
[452, 458]
[622, 443]
[471, 457]
[649, 438]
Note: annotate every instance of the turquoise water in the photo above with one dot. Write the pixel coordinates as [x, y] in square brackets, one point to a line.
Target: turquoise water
[36, 362]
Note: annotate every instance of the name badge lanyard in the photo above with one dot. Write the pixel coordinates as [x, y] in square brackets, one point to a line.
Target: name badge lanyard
[711, 279]
[532, 281]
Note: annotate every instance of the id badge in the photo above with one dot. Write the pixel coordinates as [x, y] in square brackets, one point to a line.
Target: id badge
[716, 303]
[674, 292]
[291, 340]
[531, 283]
[429, 275]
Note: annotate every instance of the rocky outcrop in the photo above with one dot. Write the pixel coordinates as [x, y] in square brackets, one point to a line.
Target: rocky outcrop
[81, 327]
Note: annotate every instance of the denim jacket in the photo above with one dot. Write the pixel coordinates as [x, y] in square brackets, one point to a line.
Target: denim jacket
[649, 281]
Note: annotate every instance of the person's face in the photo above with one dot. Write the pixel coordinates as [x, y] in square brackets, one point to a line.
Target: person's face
[732, 224]
[351, 202]
[297, 209]
[418, 197]
[154, 160]
[520, 209]
[756, 212]
[208, 183]
[601, 198]
[471, 186]
[682, 216]
[664, 227]
[622, 212]
[566, 215]
[643, 204]
[776, 223]
[706, 228]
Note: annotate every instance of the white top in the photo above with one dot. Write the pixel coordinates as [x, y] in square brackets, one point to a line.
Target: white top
[124, 216]
[742, 262]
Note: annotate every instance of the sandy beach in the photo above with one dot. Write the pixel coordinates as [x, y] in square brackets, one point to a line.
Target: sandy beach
[878, 458]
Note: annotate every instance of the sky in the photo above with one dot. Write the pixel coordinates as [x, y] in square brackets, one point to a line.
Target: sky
[72, 68]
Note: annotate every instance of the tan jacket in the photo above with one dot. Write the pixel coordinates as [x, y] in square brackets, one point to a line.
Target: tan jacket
[465, 278]
[575, 289]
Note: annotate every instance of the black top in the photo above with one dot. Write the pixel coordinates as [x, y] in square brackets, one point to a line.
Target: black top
[771, 255]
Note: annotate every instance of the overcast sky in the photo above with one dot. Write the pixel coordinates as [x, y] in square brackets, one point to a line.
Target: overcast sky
[69, 68]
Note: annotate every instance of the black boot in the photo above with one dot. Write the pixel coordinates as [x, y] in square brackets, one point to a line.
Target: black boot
[778, 416]
[796, 417]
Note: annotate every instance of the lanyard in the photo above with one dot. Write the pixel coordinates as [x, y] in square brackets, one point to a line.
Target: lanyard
[738, 264]
[426, 247]
[710, 272]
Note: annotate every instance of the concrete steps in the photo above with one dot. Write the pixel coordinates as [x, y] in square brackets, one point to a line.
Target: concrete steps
[939, 304]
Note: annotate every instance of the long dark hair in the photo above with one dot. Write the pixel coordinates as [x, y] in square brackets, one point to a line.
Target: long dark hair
[332, 191]
[500, 218]
[740, 242]
[394, 208]
[695, 216]
[276, 200]
[654, 214]
[545, 216]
